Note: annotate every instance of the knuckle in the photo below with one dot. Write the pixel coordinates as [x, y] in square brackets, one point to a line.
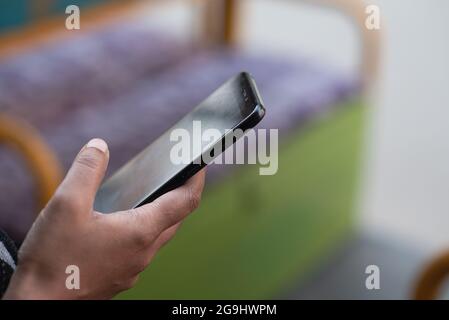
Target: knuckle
[62, 201]
[117, 286]
[130, 283]
[140, 265]
[193, 199]
[141, 239]
[88, 160]
[153, 221]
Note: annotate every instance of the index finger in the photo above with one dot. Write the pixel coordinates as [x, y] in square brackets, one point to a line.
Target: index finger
[172, 207]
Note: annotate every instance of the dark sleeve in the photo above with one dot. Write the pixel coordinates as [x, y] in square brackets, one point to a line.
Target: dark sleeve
[8, 260]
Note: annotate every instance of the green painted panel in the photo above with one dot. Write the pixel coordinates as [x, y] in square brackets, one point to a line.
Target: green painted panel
[253, 234]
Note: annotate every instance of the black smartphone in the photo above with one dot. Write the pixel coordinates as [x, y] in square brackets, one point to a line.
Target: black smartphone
[235, 105]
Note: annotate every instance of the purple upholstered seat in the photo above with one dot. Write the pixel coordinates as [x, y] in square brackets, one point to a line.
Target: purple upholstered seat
[130, 105]
[59, 78]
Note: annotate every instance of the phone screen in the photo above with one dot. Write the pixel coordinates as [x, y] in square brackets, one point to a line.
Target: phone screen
[224, 110]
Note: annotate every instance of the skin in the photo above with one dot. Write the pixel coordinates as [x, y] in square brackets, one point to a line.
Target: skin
[110, 250]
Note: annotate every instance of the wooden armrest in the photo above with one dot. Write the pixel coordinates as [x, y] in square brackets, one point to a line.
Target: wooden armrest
[352, 9]
[39, 158]
[40, 30]
[431, 279]
[355, 10]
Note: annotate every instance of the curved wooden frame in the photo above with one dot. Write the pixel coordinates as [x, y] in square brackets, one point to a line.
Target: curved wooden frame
[431, 279]
[354, 10]
[39, 158]
[49, 28]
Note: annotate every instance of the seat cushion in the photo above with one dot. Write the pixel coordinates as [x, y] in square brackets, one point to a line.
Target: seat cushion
[294, 93]
[60, 77]
[86, 103]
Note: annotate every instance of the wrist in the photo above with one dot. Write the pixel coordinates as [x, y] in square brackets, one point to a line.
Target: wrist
[28, 284]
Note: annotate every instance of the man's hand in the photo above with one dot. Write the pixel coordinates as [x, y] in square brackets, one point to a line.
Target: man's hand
[110, 250]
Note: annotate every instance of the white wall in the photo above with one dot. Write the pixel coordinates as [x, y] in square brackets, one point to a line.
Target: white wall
[406, 173]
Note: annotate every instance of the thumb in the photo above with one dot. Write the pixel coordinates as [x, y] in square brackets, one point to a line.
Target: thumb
[86, 174]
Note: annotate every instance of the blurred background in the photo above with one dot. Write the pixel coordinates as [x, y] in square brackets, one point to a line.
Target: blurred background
[362, 115]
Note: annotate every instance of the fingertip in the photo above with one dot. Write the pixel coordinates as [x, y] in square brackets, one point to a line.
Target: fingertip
[87, 171]
[198, 180]
[98, 144]
[197, 177]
